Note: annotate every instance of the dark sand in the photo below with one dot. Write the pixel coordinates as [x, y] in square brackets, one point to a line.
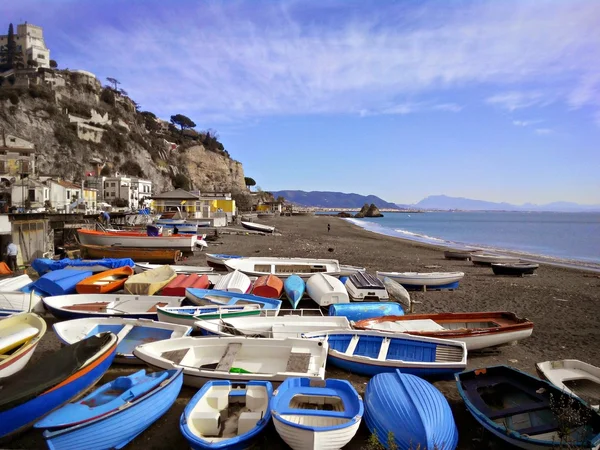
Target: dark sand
[563, 303]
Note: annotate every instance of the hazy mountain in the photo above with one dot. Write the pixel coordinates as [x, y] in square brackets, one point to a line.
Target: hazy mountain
[327, 199]
[445, 202]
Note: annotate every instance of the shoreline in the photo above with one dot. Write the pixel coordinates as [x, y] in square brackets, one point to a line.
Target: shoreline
[447, 245]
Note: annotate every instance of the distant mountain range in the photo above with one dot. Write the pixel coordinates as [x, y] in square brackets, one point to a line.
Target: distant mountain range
[444, 202]
[326, 199]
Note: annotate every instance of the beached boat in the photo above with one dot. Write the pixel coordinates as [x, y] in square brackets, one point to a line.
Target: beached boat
[79, 306]
[486, 259]
[13, 284]
[284, 267]
[460, 254]
[524, 411]
[189, 315]
[258, 227]
[129, 332]
[419, 279]
[177, 286]
[149, 281]
[397, 292]
[218, 259]
[326, 290]
[346, 270]
[44, 265]
[61, 282]
[477, 329]
[19, 336]
[237, 358]
[365, 310]
[367, 352]
[114, 414]
[273, 326]
[104, 282]
[242, 406]
[409, 411]
[53, 380]
[184, 243]
[364, 286]
[294, 287]
[575, 377]
[153, 255]
[235, 281]
[268, 286]
[316, 415]
[179, 269]
[514, 269]
[18, 302]
[203, 297]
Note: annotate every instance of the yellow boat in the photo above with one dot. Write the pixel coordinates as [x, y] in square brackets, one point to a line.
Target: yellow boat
[150, 281]
[19, 336]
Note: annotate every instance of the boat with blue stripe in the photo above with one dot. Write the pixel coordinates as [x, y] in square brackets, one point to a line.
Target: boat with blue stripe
[372, 352]
[202, 297]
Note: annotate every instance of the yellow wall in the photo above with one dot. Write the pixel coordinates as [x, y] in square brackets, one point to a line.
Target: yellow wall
[227, 206]
[263, 208]
[90, 195]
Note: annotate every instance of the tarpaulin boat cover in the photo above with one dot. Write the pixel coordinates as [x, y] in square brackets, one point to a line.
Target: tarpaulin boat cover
[61, 282]
[44, 265]
[48, 371]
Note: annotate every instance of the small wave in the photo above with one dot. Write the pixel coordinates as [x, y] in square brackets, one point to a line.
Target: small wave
[420, 236]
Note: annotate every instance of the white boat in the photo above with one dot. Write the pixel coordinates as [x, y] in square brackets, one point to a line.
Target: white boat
[143, 266]
[363, 286]
[276, 327]
[423, 278]
[326, 290]
[128, 239]
[19, 336]
[18, 302]
[130, 333]
[575, 377]
[486, 259]
[235, 281]
[346, 270]
[14, 283]
[237, 358]
[78, 306]
[218, 259]
[283, 267]
[396, 291]
[258, 227]
[189, 315]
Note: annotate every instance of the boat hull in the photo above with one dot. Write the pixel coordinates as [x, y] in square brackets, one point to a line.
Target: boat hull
[258, 227]
[412, 279]
[190, 320]
[294, 287]
[184, 243]
[268, 286]
[326, 290]
[365, 310]
[515, 270]
[20, 357]
[488, 260]
[152, 255]
[18, 302]
[583, 377]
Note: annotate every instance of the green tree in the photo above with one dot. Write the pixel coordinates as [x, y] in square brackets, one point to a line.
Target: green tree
[249, 182]
[10, 55]
[182, 121]
[180, 181]
[105, 172]
[53, 64]
[114, 82]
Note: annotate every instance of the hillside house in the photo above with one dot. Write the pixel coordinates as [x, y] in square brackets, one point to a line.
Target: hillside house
[135, 191]
[17, 156]
[29, 193]
[30, 42]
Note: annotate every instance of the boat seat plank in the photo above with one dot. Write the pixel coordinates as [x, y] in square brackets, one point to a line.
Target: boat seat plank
[352, 345]
[298, 362]
[175, 355]
[520, 409]
[124, 332]
[383, 350]
[539, 429]
[228, 357]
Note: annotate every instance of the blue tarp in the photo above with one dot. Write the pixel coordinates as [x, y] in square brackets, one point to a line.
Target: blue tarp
[44, 265]
[61, 282]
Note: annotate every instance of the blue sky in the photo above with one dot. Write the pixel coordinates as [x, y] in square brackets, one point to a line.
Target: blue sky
[496, 100]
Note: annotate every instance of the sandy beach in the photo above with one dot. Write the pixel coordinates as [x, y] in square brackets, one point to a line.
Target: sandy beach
[562, 302]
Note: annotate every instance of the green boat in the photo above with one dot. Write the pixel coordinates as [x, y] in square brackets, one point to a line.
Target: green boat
[187, 315]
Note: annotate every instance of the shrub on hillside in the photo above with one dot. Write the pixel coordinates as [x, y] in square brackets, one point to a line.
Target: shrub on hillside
[36, 91]
[132, 168]
[114, 140]
[108, 96]
[65, 135]
[180, 181]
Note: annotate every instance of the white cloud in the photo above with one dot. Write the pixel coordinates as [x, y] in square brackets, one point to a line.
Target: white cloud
[543, 131]
[526, 123]
[231, 60]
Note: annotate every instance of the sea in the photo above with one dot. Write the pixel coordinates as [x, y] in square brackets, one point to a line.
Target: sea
[564, 238]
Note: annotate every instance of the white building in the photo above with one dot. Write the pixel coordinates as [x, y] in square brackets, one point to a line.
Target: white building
[29, 193]
[30, 40]
[135, 191]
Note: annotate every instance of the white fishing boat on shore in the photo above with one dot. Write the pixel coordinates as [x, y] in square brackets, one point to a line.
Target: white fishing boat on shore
[283, 267]
[487, 259]
[258, 227]
[14, 284]
[18, 302]
[235, 281]
[575, 377]
[126, 239]
[326, 290]
[179, 269]
[423, 278]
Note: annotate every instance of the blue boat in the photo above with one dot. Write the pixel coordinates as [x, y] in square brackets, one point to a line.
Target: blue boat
[52, 381]
[372, 352]
[413, 410]
[528, 412]
[44, 265]
[365, 310]
[218, 259]
[62, 281]
[343, 279]
[200, 422]
[326, 414]
[113, 415]
[294, 287]
[201, 297]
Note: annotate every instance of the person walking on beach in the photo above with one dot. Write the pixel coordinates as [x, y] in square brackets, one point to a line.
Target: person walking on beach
[11, 256]
[328, 227]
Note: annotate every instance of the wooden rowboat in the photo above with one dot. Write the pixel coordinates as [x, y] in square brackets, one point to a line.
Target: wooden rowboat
[154, 255]
[477, 329]
[104, 282]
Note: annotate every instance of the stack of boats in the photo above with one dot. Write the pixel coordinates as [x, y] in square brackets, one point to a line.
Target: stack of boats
[255, 361]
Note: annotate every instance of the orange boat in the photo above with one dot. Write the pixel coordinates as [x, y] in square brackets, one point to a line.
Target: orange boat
[104, 282]
[269, 286]
[181, 282]
[150, 255]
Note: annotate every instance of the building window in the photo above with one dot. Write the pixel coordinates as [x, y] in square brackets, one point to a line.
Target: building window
[112, 184]
[40, 56]
[31, 195]
[68, 195]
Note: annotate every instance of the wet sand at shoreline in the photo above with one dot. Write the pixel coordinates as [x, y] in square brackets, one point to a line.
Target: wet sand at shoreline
[563, 303]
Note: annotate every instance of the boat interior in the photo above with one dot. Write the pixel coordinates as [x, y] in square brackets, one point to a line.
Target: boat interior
[397, 348]
[130, 336]
[227, 411]
[586, 389]
[15, 337]
[289, 269]
[430, 325]
[278, 330]
[114, 307]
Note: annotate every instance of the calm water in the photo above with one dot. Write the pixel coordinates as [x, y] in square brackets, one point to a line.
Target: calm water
[569, 237]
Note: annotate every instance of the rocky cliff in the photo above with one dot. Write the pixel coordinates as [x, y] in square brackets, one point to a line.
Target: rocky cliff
[77, 125]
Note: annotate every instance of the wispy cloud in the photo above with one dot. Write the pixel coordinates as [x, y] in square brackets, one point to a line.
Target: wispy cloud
[526, 123]
[232, 60]
[543, 131]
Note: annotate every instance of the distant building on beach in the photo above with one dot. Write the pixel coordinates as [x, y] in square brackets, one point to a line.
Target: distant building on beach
[30, 42]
